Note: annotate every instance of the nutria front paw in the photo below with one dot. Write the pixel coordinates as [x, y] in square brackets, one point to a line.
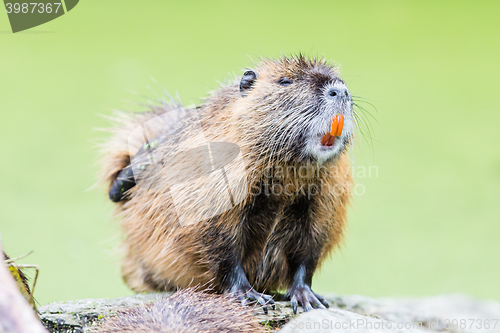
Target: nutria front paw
[302, 295]
[248, 295]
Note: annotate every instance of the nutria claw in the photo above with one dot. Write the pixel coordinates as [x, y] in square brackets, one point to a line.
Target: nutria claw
[303, 295]
[249, 296]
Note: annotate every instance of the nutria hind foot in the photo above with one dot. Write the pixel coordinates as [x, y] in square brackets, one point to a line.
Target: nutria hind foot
[303, 295]
[300, 293]
[240, 288]
[248, 296]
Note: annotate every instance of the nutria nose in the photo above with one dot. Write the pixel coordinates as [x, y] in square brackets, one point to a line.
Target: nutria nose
[336, 92]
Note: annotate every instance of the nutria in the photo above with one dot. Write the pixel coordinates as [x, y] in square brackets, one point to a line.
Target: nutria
[184, 312]
[258, 200]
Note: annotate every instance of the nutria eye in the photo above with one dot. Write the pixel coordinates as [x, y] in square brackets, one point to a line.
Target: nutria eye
[284, 81]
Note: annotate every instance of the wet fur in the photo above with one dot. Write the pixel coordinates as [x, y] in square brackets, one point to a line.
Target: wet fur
[184, 312]
[271, 235]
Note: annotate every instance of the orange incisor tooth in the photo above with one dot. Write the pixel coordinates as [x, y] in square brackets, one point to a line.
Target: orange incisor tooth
[325, 138]
[335, 124]
[331, 141]
[341, 125]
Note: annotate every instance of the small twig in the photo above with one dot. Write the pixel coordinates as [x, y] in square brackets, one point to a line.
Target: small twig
[36, 274]
[21, 257]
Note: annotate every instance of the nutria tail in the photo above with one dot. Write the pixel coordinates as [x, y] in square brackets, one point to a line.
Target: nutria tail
[132, 144]
[186, 311]
[125, 179]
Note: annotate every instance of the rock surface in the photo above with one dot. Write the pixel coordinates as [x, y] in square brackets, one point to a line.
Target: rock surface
[447, 313]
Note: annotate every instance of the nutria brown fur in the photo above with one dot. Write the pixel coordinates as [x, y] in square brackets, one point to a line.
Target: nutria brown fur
[185, 312]
[269, 240]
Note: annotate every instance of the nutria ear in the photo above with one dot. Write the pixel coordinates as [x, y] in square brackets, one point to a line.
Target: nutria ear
[247, 82]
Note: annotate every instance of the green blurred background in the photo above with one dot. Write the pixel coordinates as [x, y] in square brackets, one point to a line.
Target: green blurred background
[427, 224]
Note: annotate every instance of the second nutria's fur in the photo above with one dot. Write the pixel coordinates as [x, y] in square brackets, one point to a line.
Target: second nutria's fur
[260, 222]
[184, 312]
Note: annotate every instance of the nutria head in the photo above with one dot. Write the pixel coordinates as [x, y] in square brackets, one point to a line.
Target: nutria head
[286, 107]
